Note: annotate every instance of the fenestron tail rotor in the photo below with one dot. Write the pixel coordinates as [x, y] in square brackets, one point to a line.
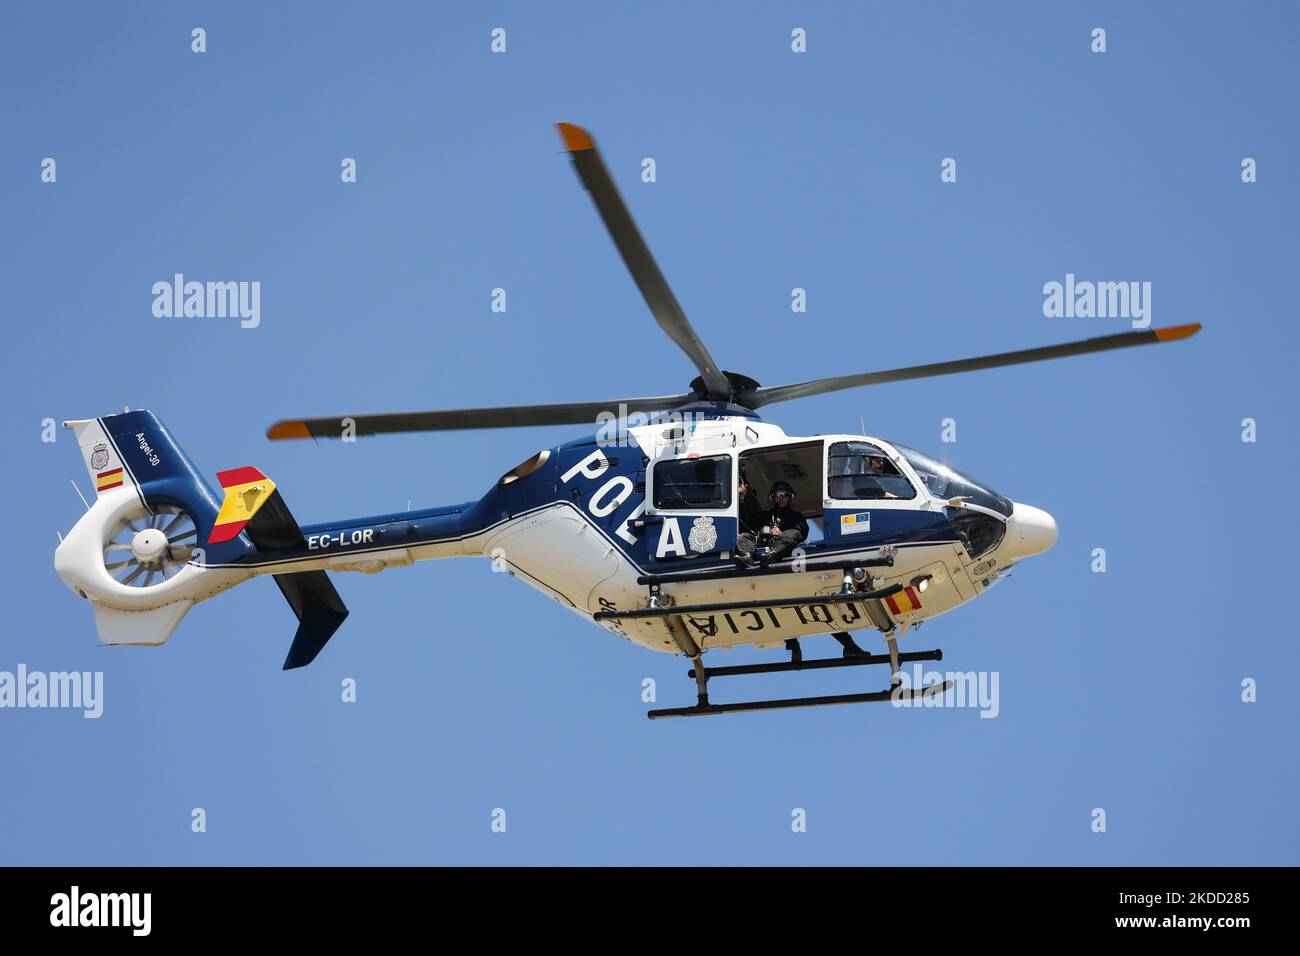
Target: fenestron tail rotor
[145, 549]
[713, 384]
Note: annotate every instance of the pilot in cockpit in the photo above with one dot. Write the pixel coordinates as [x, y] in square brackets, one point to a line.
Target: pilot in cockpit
[877, 468]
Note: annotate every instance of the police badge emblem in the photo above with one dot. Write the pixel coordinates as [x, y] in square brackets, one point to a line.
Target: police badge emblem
[703, 535]
[98, 456]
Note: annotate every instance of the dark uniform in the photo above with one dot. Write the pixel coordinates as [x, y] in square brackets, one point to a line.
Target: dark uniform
[789, 527]
[752, 515]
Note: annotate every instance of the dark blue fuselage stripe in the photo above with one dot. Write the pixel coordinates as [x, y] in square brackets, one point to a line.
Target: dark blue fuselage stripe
[258, 560]
[139, 492]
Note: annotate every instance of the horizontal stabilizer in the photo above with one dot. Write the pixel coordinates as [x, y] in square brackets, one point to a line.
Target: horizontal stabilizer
[273, 528]
[320, 611]
[253, 504]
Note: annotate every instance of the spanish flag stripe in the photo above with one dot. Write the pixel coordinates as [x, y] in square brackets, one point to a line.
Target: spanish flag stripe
[904, 601]
[243, 499]
[108, 479]
[239, 476]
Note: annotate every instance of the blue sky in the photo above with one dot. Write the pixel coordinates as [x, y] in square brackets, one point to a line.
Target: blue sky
[775, 170]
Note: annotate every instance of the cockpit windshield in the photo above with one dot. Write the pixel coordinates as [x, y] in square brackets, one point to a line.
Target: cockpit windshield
[945, 482]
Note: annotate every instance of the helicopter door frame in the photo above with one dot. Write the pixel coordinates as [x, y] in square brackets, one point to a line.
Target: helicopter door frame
[849, 520]
[812, 510]
[691, 531]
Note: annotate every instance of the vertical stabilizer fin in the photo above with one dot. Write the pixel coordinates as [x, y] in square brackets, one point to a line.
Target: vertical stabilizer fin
[320, 611]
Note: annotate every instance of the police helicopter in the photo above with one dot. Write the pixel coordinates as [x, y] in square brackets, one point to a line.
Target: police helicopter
[641, 528]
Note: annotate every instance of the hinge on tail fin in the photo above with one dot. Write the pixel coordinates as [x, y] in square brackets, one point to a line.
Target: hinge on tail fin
[253, 505]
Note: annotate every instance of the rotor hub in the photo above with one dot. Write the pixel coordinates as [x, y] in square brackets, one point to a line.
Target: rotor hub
[740, 386]
[149, 546]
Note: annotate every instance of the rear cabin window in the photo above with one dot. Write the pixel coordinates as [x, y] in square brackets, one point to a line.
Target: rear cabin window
[857, 471]
[698, 483]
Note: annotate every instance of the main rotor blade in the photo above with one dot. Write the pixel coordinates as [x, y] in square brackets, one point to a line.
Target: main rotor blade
[578, 413]
[783, 393]
[636, 255]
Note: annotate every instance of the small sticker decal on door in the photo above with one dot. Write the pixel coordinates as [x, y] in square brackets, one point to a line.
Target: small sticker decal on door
[855, 524]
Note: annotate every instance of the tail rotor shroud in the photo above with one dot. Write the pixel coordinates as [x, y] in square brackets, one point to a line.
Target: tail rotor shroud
[146, 548]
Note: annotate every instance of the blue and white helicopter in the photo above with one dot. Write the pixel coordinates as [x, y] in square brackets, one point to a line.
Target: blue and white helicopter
[634, 529]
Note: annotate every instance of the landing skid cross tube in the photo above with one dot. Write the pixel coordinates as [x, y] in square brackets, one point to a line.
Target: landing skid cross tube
[705, 706]
[703, 674]
[738, 669]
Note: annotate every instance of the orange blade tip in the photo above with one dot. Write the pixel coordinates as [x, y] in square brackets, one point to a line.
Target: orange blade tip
[1175, 332]
[575, 138]
[282, 430]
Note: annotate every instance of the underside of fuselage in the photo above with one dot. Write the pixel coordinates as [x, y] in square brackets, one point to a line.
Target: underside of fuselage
[565, 556]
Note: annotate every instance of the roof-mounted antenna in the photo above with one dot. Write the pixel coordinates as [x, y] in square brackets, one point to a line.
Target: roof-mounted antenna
[79, 494]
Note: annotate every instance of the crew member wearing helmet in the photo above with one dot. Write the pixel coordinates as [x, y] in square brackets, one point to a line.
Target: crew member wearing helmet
[788, 529]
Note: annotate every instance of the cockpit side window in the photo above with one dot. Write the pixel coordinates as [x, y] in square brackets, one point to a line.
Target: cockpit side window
[698, 483]
[859, 471]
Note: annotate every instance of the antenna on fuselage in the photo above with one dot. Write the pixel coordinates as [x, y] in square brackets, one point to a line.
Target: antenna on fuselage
[73, 482]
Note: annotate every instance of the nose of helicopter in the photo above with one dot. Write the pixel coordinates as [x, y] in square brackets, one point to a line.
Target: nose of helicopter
[1030, 530]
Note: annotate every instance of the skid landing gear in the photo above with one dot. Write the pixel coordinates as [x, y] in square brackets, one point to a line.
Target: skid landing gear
[894, 659]
[857, 586]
